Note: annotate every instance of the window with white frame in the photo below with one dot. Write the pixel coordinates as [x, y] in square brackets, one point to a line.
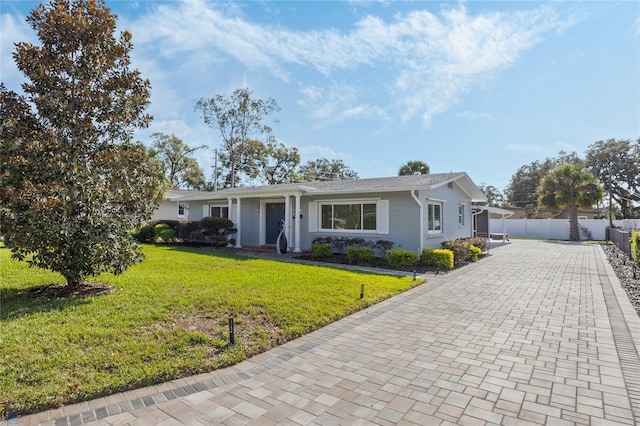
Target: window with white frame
[182, 210]
[365, 216]
[219, 211]
[348, 216]
[434, 217]
[461, 214]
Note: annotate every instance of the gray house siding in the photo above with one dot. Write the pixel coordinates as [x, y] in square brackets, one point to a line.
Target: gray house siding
[400, 218]
[403, 217]
[452, 198]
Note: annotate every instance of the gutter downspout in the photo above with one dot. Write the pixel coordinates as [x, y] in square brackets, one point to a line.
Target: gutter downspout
[474, 221]
[417, 200]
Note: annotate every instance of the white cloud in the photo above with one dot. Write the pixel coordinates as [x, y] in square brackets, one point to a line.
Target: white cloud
[431, 60]
[548, 149]
[434, 59]
[474, 115]
[313, 152]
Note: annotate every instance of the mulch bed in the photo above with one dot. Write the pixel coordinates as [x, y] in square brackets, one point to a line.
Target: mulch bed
[341, 259]
[627, 273]
[85, 288]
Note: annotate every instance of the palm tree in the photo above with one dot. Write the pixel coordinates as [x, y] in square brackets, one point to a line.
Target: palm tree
[570, 187]
[413, 167]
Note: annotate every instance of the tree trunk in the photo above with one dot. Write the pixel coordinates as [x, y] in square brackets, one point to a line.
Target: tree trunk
[574, 230]
[73, 279]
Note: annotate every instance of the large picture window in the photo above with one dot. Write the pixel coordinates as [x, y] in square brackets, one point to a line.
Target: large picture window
[351, 216]
[434, 217]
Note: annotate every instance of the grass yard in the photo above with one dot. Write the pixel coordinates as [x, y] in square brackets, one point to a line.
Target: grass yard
[166, 318]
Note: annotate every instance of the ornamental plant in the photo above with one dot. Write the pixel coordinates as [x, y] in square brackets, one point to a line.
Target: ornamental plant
[73, 184]
[357, 255]
[401, 258]
[439, 258]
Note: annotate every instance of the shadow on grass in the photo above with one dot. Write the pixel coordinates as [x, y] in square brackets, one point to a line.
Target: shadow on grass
[18, 302]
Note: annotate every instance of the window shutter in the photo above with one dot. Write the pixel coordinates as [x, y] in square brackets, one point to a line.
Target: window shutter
[382, 217]
[205, 210]
[313, 216]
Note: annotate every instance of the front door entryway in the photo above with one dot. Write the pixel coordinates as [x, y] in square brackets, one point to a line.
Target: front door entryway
[273, 221]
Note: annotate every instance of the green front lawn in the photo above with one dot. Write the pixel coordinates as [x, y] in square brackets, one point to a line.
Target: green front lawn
[166, 318]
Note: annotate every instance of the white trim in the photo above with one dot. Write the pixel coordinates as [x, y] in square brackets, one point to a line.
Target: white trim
[382, 216]
[433, 202]
[185, 208]
[437, 200]
[348, 200]
[313, 216]
[377, 202]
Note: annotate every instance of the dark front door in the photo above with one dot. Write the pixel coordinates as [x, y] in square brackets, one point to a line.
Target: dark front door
[273, 220]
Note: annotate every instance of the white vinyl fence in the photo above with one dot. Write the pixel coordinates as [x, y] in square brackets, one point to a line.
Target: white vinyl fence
[558, 229]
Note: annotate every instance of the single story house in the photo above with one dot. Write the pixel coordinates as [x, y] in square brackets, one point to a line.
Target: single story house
[413, 212]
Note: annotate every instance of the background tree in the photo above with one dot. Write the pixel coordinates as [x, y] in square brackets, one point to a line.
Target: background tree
[323, 169]
[522, 188]
[494, 195]
[570, 187]
[617, 164]
[413, 167]
[237, 118]
[279, 164]
[246, 167]
[180, 167]
[72, 184]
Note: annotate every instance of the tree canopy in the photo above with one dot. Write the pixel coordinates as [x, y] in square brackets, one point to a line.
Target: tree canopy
[239, 119]
[324, 169]
[617, 164]
[72, 183]
[570, 186]
[522, 189]
[180, 167]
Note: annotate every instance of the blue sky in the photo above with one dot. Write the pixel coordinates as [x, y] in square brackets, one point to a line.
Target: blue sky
[480, 87]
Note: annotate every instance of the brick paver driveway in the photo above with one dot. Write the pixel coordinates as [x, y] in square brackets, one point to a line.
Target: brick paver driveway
[539, 332]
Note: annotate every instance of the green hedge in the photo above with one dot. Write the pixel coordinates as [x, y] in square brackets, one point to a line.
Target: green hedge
[358, 255]
[635, 246]
[401, 258]
[319, 251]
[440, 258]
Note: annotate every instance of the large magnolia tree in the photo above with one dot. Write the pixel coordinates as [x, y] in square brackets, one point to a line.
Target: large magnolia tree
[72, 182]
[570, 187]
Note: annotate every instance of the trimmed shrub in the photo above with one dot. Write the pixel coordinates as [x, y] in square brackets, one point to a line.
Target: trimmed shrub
[216, 225]
[197, 236]
[635, 246]
[340, 244]
[462, 251]
[145, 234]
[319, 251]
[440, 258]
[401, 258]
[159, 230]
[358, 255]
[165, 235]
[475, 252]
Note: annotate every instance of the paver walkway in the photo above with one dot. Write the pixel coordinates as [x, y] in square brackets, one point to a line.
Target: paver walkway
[537, 333]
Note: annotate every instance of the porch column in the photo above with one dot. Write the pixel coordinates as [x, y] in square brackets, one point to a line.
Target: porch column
[287, 219]
[238, 225]
[298, 211]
